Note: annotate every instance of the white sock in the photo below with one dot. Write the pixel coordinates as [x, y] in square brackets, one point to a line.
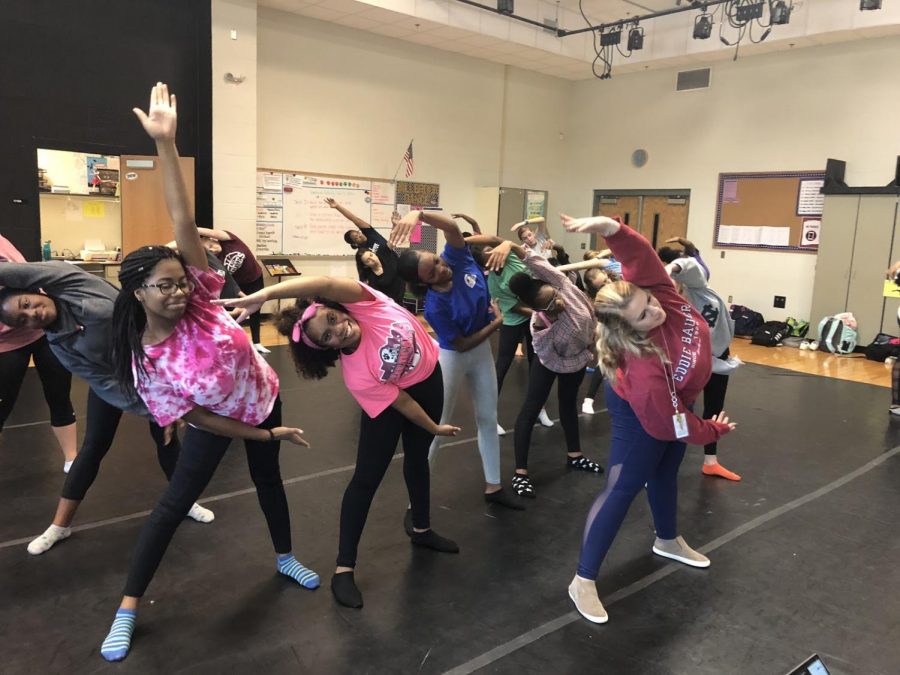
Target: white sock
[67, 465]
[500, 430]
[262, 350]
[45, 542]
[200, 514]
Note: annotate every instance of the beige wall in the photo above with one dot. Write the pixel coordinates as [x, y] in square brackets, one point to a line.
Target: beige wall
[332, 99]
[337, 100]
[784, 111]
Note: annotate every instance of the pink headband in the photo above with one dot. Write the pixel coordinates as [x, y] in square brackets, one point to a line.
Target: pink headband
[298, 334]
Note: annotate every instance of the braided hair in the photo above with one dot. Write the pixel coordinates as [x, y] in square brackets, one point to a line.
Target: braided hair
[129, 316]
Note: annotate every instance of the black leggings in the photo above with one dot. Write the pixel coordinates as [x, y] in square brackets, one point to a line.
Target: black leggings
[253, 319]
[540, 381]
[56, 381]
[200, 456]
[510, 338]
[895, 383]
[714, 400]
[378, 438]
[102, 422]
[594, 385]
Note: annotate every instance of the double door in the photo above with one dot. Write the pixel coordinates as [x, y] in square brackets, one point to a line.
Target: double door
[657, 215]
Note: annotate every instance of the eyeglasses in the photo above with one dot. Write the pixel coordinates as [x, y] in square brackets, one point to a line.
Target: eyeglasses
[552, 301]
[168, 287]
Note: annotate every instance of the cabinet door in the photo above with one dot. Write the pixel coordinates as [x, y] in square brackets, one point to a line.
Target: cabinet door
[871, 257]
[834, 257]
[145, 220]
[889, 320]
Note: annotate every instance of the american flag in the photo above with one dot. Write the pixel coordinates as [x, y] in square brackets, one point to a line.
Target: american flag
[408, 160]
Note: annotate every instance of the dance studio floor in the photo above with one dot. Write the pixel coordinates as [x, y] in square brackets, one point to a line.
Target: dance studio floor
[804, 552]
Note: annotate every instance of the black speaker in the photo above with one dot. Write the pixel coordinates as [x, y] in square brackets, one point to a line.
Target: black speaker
[834, 172]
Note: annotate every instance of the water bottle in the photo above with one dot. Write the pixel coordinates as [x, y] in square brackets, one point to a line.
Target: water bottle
[46, 253]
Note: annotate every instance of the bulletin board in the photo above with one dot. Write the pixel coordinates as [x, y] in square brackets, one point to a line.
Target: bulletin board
[293, 218]
[776, 211]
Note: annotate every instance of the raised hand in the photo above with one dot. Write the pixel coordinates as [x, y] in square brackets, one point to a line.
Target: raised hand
[333, 204]
[291, 435]
[722, 418]
[893, 271]
[247, 305]
[161, 120]
[446, 430]
[498, 255]
[600, 224]
[403, 227]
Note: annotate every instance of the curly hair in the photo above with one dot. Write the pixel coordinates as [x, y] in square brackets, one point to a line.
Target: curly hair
[617, 337]
[311, 364]
[668, 254]
[129, 318]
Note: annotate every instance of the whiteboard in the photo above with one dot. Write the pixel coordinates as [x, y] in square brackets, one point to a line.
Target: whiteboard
[293, 218]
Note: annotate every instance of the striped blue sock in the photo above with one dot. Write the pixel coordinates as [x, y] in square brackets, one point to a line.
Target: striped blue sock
[289, 566]
[116, 645]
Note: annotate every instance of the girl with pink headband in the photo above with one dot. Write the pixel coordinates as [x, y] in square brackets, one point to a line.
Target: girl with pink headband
[390, 365]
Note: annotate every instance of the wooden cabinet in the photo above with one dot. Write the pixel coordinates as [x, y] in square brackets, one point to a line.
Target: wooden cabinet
[856, 246]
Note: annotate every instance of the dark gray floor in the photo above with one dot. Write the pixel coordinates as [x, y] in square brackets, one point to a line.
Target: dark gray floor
[820, 575]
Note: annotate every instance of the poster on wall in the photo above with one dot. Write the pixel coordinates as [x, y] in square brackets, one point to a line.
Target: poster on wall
[269, 212]
[535, 204]
[810, 234]
[810, 200]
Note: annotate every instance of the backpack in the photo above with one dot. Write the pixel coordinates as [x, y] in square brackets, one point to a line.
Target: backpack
[882, 347]
[836, 337]
[799, 327]
[746, 321]
[771, 333]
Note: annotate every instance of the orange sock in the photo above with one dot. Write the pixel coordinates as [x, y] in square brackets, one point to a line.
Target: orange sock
[719, 470]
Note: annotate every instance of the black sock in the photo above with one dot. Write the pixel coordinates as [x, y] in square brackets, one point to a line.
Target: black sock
[502, 499]
[430, 539]
[345, 591]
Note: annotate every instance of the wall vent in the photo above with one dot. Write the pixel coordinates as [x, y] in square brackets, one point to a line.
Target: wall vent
[692, 79]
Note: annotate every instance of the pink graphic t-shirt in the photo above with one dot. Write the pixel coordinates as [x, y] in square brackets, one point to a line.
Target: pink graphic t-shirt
[395, 352]
[207, 361]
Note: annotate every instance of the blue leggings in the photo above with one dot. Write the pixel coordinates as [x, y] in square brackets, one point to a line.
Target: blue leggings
[635, 459]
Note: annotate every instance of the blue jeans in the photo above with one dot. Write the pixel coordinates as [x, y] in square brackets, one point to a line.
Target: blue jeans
[635, 459]
[476, 366]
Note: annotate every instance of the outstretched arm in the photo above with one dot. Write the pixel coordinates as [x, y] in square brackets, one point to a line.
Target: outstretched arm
[160, 123]
[404, 226]
[226, 426]
[353, 218]
[470, 220]
[344, 291]
[407, 406]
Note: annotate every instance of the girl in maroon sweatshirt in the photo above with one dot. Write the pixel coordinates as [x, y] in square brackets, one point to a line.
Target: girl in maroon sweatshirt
[655, 353]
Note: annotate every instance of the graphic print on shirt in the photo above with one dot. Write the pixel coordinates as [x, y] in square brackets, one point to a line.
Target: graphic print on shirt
[470, 280]
[710, 314]
[689, 334]
[374, 247]
[233, 261]
[400, 352]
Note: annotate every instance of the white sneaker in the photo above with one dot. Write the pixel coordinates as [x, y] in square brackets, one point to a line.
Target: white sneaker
[45, 542]
[544, 419]
[500, 430]
[68, 465]
[260, 349]
[588, 406]
[200, 514]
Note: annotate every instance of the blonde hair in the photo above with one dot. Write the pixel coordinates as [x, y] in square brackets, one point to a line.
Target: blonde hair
[616, 336]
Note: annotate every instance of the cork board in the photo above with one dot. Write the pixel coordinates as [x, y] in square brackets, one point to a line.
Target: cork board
[779, 211]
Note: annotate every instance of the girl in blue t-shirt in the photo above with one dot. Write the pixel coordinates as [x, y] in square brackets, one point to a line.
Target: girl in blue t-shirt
[458, 307]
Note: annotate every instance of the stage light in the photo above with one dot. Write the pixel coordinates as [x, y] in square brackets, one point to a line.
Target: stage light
[703, 25]
[635, 39]
[506, 6]
[781, 13]
[865, 5]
